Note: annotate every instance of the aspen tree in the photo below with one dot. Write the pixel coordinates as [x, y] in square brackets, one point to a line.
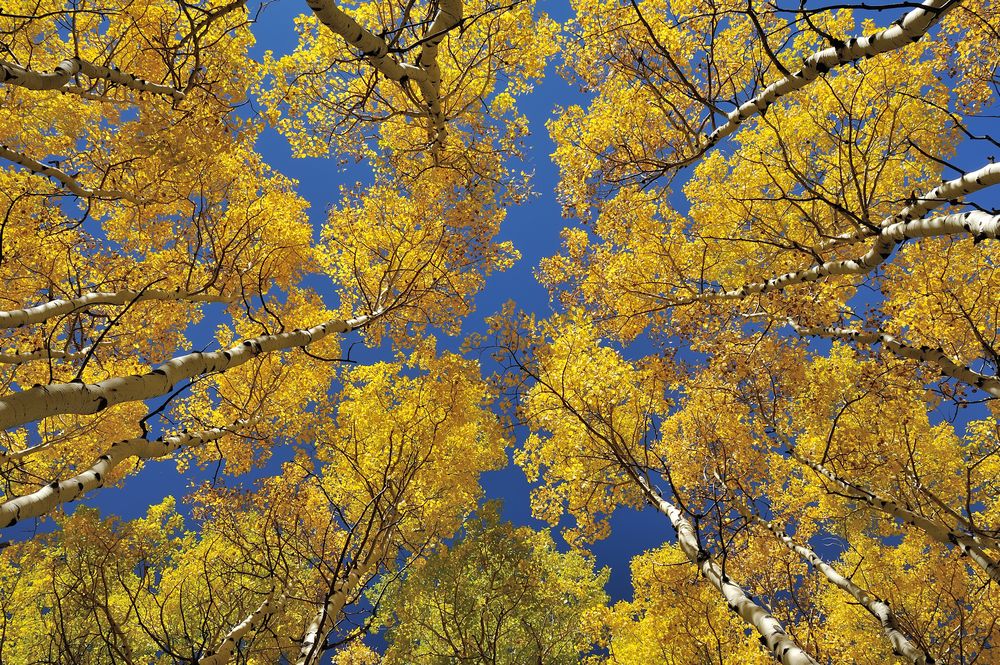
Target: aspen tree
[497, 594]
[145, 155]
[271, 573]
[591, 414]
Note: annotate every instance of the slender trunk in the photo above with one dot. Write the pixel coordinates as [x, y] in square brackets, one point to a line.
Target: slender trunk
[980, 225]
[773, 635]
[878, 608]
[224, 653]
[16, 318]
[44, 500]
[978, 535]
[910, 28]
[448, 16]
[64, 72]
[426, 74]
[950, 190]
[988, 384]
[373, 47]
[85, 398]
[942, 533]
[326, 617]
[18, 358]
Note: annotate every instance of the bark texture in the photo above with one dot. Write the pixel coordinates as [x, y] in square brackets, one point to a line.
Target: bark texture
[910, 28]
[63, 178]
[980, 225]
[60, 77]
[946, 192]
[940, 532]
[878, 608]
[227, 647]
[426, 74]
[86, 398]
[773, 635]
[48, 498]
[16, 318]
[329, 611]
[18, 358]
[988, 384]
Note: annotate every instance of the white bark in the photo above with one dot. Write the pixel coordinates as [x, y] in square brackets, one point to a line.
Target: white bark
[910, 28]
[16, 318]
[980, 225]
[773, 635]
[988, 384]
[978, 535]
[60, 77]
[224, 653]
[326, 617]
[18, 358]
[43, 401]
[65, 179]
[942, 533]
[951, 190]
[373, 47]
[45, 500]
[426, 73]
[448, 16]
[878, 608]
[322, 622]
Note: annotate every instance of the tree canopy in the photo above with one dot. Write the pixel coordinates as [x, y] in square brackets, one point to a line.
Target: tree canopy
[770, 321]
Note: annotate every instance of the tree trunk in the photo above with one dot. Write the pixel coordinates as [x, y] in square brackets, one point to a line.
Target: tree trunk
[949, 367]
[910, 28]
[16, 318]
[46, 499]
[82, 398]
[940, 532]
[773, 635]
[224, 653]
[64, 72]
[878, 608]
[980, 225]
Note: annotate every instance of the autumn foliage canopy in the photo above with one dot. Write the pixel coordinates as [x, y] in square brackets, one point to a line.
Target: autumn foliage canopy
[773, 326]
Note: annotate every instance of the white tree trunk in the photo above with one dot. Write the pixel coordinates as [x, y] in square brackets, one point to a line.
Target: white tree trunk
[60, 77]
[426, 74]
[224, 653]
[940, 532]
[373, 47]
[951, 190]
[988, 384]
[449, 15]
[878, 608]
[910, 28]
[978, 535]
[980, 225]
[45, 500]
[773, 635]
[43, 401]
[326, 617]
[16, 318]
